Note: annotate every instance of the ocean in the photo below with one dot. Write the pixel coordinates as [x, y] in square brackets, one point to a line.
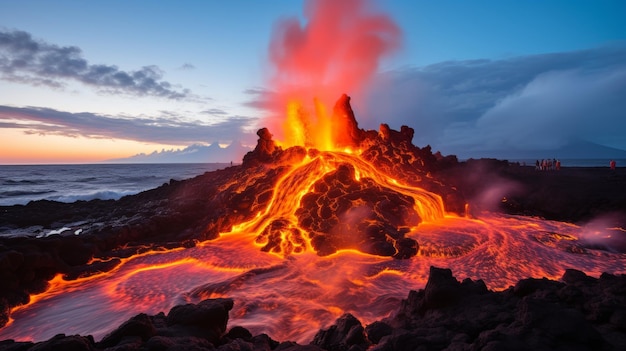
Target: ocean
[20, 184]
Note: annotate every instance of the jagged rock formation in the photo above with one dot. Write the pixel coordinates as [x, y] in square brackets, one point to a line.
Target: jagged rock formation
[349, 135]
[578, 313]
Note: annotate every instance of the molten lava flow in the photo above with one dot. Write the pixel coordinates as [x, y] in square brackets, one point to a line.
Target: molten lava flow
[291, 298]
[359, 193]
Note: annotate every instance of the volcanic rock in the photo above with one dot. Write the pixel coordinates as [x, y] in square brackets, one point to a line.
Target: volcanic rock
[5, 311]
[343, 213]
[264, 149]
[467, 316]
[573, 194]
[377, 331]
[349, 135]
[393, 153]
[206, 320]
[346, 334]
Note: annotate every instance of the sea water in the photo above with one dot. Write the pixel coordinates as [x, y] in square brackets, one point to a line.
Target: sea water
[20, 184]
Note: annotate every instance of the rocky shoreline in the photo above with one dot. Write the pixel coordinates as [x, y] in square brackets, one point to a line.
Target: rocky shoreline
[577, 313]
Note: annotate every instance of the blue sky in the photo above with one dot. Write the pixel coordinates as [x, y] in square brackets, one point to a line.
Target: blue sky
[470, 77]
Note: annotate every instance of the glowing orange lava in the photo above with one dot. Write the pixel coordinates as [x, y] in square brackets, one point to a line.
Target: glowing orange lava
[291, 298]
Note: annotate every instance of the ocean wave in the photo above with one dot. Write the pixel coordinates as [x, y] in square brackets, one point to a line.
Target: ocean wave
[68, 183]
[101, 195]
[139, 178]
[25, 181]
[88, 179]
[17, 193]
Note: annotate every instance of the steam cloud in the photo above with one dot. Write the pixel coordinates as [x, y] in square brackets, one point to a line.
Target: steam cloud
[337, 51]
[536, 102]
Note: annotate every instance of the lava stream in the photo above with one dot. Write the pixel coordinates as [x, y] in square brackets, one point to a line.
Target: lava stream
[298, 182]
[291, 298]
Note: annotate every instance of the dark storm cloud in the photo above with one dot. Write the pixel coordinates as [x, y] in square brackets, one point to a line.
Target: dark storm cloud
[166, 129]
[528, 102]
[25, 60]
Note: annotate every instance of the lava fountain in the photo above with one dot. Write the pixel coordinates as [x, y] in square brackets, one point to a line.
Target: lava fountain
[325, 219]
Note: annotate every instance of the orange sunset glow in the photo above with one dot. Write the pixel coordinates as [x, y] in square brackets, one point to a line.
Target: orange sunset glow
[19, 147]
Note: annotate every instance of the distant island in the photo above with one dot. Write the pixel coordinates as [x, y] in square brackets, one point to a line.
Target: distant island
[573, 149]
[195, 153]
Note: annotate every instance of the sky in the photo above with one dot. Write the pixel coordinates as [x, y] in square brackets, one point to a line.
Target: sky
[84, 82]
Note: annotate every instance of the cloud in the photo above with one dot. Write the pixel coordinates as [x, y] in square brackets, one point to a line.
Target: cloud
[29, 61]
[525, 103]
[167, 129]
[187, 67]
[556, 107]
[215, 112]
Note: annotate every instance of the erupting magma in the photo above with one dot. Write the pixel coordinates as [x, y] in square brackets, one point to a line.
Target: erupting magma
[351, 221]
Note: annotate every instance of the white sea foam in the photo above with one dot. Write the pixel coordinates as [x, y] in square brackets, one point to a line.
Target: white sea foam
[52, 232]
[102, 195]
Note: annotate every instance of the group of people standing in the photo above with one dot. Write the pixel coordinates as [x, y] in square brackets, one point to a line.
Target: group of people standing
[555, 165]
[548, 165]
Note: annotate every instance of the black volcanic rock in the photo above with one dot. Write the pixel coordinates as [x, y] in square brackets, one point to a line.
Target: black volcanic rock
[138, 326]
[206, 320]
[265, 148]
[580, 313]
[535, 314]
[377, 331]
[199, 326]
[346, 334]
[573, 194]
